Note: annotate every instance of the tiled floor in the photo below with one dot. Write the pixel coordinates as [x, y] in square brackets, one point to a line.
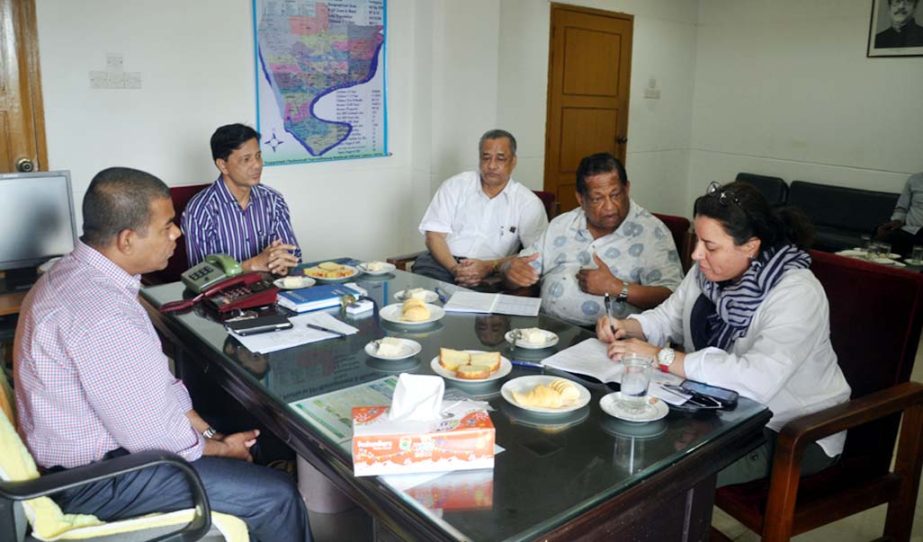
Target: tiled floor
[356, 526]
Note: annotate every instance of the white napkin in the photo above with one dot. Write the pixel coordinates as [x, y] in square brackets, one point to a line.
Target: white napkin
[417, 398]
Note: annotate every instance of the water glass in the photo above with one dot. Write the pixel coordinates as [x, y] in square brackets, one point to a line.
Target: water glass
[916, 257]
[882, 249]
[866, 243]
[635, 381]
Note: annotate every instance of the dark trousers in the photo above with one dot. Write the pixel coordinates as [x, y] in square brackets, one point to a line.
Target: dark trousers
[757, 464]
[266, 499]
[427, 266]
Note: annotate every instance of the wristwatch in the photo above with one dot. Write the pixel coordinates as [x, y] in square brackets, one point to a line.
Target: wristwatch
[623, 295]
[665, 358]
[209, 432]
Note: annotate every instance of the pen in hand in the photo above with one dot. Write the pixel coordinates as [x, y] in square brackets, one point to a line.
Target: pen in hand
[608, 303]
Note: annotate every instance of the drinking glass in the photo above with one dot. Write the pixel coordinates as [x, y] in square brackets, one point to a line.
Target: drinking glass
[866, 243]
[883, 250]
[635, 381]
[916, 257]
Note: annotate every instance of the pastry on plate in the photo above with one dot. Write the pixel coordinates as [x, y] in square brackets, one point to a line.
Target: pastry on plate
[414, 310]
[556, 394]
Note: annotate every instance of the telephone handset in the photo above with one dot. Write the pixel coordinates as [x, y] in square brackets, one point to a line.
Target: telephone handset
[239, 292]
[211, 271]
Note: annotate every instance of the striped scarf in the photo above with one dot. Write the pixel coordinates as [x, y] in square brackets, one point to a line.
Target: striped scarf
[735, 302]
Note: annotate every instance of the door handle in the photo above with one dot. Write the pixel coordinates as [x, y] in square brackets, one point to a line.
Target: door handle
[621, 140]
[25, 165]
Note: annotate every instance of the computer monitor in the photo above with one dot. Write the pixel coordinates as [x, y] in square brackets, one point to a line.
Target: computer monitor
[36, 222]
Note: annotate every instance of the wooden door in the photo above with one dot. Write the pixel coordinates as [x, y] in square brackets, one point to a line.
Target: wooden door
[22, 119]
[589, 69]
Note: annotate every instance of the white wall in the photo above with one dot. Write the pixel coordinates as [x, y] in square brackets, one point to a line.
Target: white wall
[784, 88]
[659, 131]
[781, 88]
[196, 64]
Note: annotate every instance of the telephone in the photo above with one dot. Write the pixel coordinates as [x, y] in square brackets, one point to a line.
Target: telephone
[215, 268]
[239, 292]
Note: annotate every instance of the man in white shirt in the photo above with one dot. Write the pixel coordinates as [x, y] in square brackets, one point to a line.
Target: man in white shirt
[609, 244]
[905, 228]
[478, 219]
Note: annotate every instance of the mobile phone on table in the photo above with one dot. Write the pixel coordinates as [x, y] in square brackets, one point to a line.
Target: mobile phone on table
[727, 398]
[260, 324]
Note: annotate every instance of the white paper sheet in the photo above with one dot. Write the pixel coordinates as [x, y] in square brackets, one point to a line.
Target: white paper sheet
[299, 334]
[589, 358]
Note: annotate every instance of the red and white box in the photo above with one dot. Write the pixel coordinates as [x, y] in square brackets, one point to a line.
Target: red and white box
[463, 439]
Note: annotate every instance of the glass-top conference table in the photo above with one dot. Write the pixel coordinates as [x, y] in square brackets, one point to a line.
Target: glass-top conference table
[585, 475]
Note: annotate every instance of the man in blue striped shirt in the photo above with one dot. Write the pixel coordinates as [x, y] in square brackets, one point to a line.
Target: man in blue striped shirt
[237, 215]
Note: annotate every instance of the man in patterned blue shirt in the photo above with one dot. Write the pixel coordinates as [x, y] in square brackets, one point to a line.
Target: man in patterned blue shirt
[609, 244]
[237, 215]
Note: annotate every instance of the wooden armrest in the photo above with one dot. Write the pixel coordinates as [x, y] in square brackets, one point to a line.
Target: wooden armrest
[801, 431]
[402, 261]
[795, 436]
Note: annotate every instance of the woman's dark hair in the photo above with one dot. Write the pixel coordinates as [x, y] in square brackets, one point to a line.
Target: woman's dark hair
[744, 213]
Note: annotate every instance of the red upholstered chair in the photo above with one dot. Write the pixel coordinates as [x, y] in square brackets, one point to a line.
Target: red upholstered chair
[550, 201]
[876, 313]
[178, 262]
[680, 228]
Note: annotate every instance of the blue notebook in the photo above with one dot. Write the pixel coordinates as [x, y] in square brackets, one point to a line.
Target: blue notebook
[316, 297]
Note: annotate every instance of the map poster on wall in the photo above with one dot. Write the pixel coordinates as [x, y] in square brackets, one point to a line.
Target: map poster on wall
[320, 79]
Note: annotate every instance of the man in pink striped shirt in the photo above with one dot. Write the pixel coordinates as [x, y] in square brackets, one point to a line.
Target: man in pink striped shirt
[92, 382]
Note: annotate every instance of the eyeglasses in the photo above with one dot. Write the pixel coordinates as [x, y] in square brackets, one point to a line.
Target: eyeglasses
[714, 190]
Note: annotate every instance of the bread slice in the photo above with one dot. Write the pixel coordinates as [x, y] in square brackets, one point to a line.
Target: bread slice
[490, 359]
[473, 372]
[451, 360]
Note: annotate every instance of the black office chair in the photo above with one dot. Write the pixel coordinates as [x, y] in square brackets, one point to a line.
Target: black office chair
[773, 188]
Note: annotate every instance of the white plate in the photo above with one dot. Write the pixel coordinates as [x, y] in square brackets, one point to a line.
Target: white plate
[392, 313]
[409, 348]
[611, 405]
[505, 368]
[911, 261]
[526, 383]
[853, 253]
[352, 273]
[388, 267]
[888, 261]
[303, 282]
[429, 296]
[552, 339]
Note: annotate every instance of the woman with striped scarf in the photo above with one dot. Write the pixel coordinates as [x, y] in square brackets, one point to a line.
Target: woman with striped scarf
[750, 316]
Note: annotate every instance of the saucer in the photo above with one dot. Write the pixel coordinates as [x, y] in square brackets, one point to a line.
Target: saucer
[911, 261]
[551, 339]
[409, 348]
[385, 268]
[295, 283]
[429, 296]
[612, 405]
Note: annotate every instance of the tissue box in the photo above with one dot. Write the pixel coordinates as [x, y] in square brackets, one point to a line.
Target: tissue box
[464, 440]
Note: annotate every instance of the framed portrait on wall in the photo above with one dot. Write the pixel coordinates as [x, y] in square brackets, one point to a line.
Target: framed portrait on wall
[895, 28]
